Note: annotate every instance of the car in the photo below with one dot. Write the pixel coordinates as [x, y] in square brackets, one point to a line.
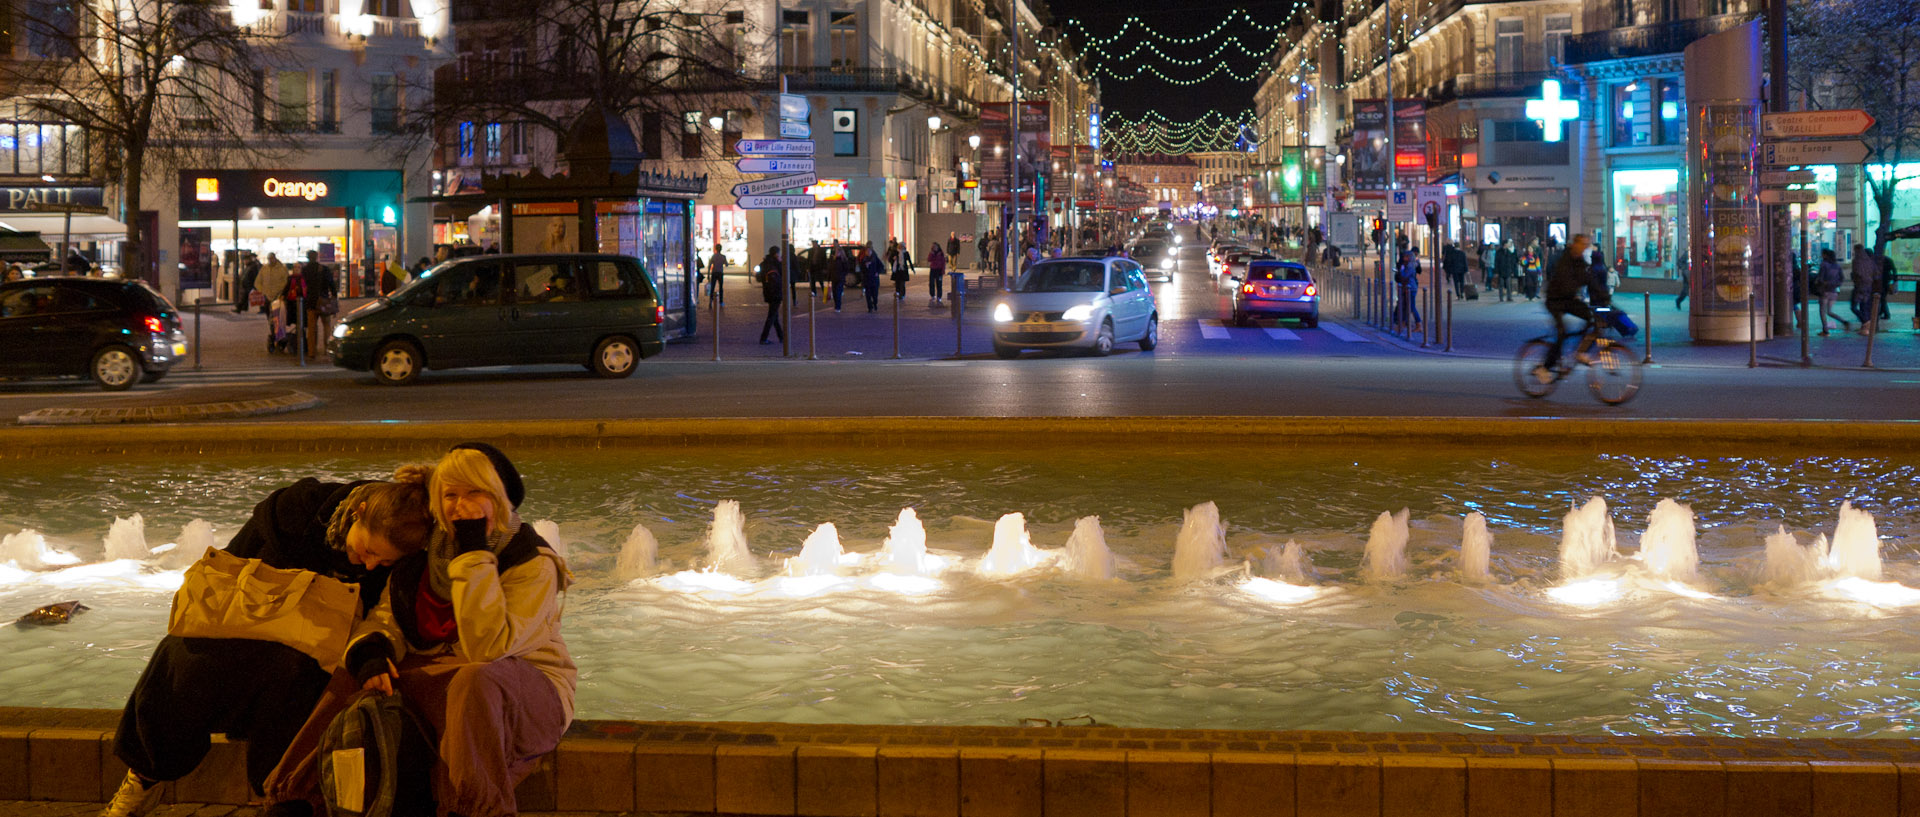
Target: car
[1217, 257]
[1234, 265]
[1156, 257]
[1076, 303]
[1280, 289]
[1093, 252]
[117, 332]
[599, 311]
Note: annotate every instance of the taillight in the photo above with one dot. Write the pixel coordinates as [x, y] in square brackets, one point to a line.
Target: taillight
[1311, 290]
[154, 324]
[1246, 287]
[659, 315]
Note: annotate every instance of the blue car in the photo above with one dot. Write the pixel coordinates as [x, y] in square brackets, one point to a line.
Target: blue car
[1277, 289]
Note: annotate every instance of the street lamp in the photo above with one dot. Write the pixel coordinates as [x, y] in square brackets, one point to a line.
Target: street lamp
[973, 141]
[933, 123]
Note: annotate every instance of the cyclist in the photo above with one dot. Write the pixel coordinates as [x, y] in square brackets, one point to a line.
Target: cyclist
[1564, 285]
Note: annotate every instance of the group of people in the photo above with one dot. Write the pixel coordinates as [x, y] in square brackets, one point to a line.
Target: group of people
[291, 299]
[1874, 282]
[833, 268]
[459, 610]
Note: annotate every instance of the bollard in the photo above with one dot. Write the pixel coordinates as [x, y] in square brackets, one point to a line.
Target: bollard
[196, 332]
[1449, 322]
[896, 326]
[1646, 324]
[713, 305]
[1873, 327]
[959, 295]
[300, 333]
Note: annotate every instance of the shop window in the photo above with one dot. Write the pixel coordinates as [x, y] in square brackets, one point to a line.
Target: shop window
[846, 132]
[384, 103]
[651, 124]
[690, 135]
[1646, 216]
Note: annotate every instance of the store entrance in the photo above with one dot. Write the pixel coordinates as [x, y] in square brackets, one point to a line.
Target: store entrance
[352, 248]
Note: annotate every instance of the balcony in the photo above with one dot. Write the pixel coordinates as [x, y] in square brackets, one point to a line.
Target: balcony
[1647, 41]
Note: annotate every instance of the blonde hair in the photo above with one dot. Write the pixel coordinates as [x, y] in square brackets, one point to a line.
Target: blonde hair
[465, 466]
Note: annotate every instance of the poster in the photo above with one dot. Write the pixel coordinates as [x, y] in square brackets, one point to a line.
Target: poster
[997, 149]
[1367, 159]
[196, 257]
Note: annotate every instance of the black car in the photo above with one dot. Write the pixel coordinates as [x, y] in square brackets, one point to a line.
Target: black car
[116, 332]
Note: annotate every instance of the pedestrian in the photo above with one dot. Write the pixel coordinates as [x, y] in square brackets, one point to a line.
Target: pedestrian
[953, 248]
[1530, 266]
[871, 270]
[981, 247]
[1506, 269]
[245, 274]
[893, 252]
[420, 266]
[1888, 284]
[1826, 287]
[322, 301]
[937, 269]
[1686, 283]
[816, 267]
[272, 283]
[716, 271]
[773, 287]
[468, 633]
[1866, 276]
[1454, 261]
[1406, 315]
[192, 688]
[14, 273]
[842, 270]
[902, 272]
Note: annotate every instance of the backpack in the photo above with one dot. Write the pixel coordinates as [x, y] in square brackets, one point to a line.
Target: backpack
[375, 760]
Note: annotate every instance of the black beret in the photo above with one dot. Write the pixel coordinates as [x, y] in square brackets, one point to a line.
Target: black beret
[509, 475]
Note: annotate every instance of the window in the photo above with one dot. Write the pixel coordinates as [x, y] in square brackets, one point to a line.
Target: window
[516, 142]
[389, 8]
[1630, 114]
[690, 135]
[796, 37]
[611, 279]
[545, 283]
[308, 6]
[259, 93]
[1519, 130]
[292, 89]
[1672, 112]
[846, 132]
[384, 103]
[492, 135]
[1510, 37]
[53, 28]
[732, 130]
[1559, 28]
[846, 46]
[329, 98]
[468, 137]
[650, 128]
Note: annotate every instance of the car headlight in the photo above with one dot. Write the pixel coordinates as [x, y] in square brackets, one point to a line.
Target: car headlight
[340, 330]
[1002, 313]
[1077, 313]
[1176, 239]
[1166, 263]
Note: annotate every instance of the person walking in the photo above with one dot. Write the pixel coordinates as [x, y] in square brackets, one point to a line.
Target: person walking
[1826, 287]
[1454, 261]
[871, 270]
[816, 267]
[1530, 266]
[322, 300]
[842, 269]
[1506, 269]
[981, 247]
[248, 270]
[1406, 315]
[773, 287]
[902, 272]
[1889, 282]
[1488, 250]
[953, 248]
[716, 270]
[937, 269]
[1866, 276]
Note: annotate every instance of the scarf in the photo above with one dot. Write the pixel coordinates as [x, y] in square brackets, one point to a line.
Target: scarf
[442, 548]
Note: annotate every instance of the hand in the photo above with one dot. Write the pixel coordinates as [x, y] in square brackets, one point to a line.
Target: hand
[384, 681]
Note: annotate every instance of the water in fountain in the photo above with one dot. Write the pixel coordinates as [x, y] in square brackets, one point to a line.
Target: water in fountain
[1201, 546]
[1012, 550]
[1289, 563]
[1586, 540]
[1667, 548]
[1087, 553]
[905, 551]
[1856, 545]
[819, 555]
[637, 555]
[127, 538]
[1386, 553]
[727, 541]
[28, 550]
[550, 531]
[1788, 564]
[1476, 547]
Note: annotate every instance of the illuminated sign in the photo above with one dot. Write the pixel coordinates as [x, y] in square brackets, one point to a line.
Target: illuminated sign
[1552, 111]
[300, 190]
[205, 189]
[828, 190]
[1410, 160]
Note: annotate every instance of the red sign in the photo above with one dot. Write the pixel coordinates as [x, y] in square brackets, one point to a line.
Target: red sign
[829, 190]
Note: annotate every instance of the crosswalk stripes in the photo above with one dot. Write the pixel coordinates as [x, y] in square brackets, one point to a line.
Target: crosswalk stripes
[1342, 333]
[1213, 331]
[1278, 333]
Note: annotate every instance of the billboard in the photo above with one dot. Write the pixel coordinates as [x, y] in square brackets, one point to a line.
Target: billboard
[1034, 142]
[1367, 157]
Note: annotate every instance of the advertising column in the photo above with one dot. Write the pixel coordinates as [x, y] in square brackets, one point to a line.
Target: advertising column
[1729, 257]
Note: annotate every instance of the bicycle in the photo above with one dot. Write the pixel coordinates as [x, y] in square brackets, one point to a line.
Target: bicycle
[1613, 371]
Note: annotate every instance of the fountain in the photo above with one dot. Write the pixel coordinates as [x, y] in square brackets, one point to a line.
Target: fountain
[1087, 553]
[1386, 552]
[1790, 565]
[127, 539]
[637, 555]
[1586, 540]
[196, 538]
[819, 554]
[28, 550]
[1012, 550]
[1667, 548]
[1476, 547]
[1289, 563]
[549, 530]
[1201, 546]
[1856, 545]
[905, 551]
[727, 541]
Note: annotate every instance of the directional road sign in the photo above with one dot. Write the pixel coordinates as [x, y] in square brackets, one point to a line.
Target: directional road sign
[795, 202]
[1847, 122]
[794, 108]
[1782, 178]
[774, 185]
[1776, 196]
[773, 147]
[795, 130]
[1827, 152]
[774, 165]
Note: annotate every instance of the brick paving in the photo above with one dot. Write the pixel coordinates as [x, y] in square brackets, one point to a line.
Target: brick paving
[29, 808]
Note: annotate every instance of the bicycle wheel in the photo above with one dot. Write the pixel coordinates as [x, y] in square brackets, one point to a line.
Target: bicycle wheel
[1530, 371]
[1615, 373]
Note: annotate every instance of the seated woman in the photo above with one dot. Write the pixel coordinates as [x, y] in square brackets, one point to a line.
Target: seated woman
[189, 691]
[468, 632]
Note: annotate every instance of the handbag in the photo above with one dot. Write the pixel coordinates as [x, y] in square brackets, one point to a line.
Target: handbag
[226, 596]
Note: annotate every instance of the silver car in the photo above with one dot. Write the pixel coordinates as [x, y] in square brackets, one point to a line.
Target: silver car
[1083, 303]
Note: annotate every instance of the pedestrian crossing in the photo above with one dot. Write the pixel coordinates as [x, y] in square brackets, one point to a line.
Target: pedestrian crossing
[1212, 329]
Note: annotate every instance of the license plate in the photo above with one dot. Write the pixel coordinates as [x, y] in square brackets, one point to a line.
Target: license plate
[179, 349]
[1033, 327]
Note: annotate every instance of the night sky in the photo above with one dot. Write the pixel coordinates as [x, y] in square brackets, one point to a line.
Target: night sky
[1176, 18]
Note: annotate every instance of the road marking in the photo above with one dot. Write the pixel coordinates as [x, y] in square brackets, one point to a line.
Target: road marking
[1213, 332]
[1278, 333]
[1342, 333]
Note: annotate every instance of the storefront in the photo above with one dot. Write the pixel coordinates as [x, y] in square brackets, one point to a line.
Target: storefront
[834, 219]
[70, 216]
[722, 224]
[1646, 230]
[348, 218]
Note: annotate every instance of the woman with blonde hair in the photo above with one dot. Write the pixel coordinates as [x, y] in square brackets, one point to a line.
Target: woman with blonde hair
[193, 687]
[468, 632]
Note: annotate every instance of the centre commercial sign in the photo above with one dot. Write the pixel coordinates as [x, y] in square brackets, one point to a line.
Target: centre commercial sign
[220, 194]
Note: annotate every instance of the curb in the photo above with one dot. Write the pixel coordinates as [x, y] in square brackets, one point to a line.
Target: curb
[224, 410]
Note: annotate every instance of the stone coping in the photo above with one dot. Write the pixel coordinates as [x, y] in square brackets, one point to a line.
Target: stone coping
[923, 433]
[179, 406]
[611, 767]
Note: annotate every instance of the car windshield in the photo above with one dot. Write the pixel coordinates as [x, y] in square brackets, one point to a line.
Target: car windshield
[1278, 272]
[1063, 276]
[1149, 247]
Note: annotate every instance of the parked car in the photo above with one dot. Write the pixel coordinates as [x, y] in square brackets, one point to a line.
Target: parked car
[599, 311]
[1280, 289]
[117, 332]
[1067, 303]
[1156, 257]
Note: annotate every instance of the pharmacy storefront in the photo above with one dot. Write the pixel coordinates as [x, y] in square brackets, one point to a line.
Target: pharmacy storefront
[1648, 228]
[349, 218]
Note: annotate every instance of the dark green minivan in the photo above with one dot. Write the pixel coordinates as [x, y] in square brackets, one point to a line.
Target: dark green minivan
[600, 311]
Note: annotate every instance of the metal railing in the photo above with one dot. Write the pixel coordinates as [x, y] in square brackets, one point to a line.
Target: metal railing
[1646, 41]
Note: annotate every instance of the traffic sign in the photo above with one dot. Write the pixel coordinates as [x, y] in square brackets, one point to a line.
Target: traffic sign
[793, 202]
[1846, 122]
[794, 108]
[1827, 152]
[795, 130]
[774, 165]
[773, 147]
[1778, 196]
[1399, 205]
[1430, 201]
[775, 184]
[1782, 178]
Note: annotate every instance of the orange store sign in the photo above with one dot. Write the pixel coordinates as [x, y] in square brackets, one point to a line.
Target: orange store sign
[829, 190]
[275, 188]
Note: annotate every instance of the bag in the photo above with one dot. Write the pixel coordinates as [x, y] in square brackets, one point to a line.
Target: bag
[376, 760]
[225, 596]
[1473, 292]
[1621, 322]
[328, 305]
[256, 299]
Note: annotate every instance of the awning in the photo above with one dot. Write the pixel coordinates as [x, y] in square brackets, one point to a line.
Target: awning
[25, 247]
[53, 225]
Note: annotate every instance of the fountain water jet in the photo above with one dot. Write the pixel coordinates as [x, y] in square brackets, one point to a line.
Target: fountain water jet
[1087, 553]
[1201, 546]
[1289, 563]
[1856, 545]
[727, 541]
[196, 538]
[1788, 564]
[819, 554]
[905, 551]
[1012, 550]
[1667, 548]
[637, 555]
[550, 531]
[28, 550]
[127, 539]
[1476, 548]
[1586, 540]
[1386, 553]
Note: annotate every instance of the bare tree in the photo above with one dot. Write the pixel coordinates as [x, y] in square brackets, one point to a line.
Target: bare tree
[158, 85]
[1864, 54]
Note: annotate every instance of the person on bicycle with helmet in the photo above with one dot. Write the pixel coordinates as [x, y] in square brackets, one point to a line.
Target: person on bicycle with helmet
[1564, 284]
